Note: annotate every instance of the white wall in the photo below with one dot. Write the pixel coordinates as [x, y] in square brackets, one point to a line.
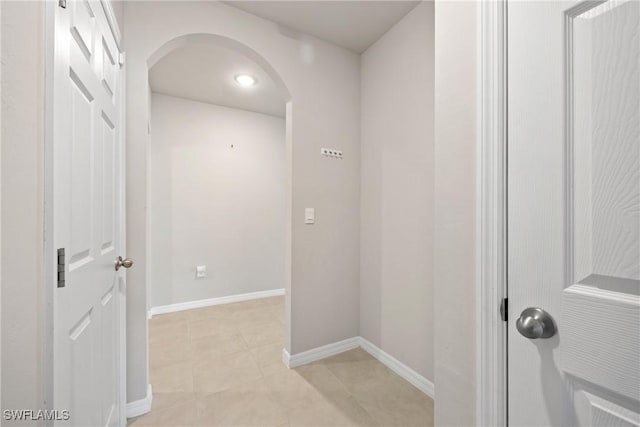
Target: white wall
[397, 178]
[118, 12]
[323, 82]
[455, 212]
[22, 193]
[212, 204]
[1, 406]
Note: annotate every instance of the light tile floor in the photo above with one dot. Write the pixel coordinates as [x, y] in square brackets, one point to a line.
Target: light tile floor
[222, 366]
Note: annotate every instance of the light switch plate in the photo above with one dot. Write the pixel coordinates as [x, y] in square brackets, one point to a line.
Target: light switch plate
[309, 215]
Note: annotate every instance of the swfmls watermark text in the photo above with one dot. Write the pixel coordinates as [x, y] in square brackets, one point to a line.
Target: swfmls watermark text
[36, 415]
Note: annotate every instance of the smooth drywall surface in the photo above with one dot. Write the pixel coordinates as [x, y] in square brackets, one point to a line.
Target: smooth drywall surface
[455, 212]
[397, 176]
[218, 198]
[22, 196]
[118, 12]
[323, 82]
[1, 131]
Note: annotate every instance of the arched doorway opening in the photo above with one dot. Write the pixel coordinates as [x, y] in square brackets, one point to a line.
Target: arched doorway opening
[196, 301]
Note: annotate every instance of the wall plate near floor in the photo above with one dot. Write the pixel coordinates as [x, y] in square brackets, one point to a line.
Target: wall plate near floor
[201, 271]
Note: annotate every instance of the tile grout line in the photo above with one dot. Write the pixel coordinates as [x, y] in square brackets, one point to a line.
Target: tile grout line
[271, 308]
[193, 375]
[355, 398]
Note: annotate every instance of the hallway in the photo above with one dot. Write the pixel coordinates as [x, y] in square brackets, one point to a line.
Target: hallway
[222, 365]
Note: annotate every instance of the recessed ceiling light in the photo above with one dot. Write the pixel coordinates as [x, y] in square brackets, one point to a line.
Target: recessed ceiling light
[245, 80]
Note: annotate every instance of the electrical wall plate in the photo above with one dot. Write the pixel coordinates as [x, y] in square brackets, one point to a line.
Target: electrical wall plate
[309, 215]
[331, 152]
[201, 271]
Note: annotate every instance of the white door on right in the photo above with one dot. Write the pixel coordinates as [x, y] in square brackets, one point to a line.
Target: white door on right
[574, 213]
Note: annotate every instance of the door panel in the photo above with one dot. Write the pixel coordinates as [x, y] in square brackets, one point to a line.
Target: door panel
[81, 194]
[601, 326]
[595, 411]
[605, 184]
[109, 368]
[574, 211]
[109, 69]
[108, 174]
[82, 366]
[87, 216]
[82, 26]
[600, 308]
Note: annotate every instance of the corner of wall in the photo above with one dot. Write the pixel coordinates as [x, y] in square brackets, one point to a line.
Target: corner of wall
[397, 149]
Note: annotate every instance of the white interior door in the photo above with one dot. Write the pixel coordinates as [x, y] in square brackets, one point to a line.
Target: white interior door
[88, 220]
[574, 211]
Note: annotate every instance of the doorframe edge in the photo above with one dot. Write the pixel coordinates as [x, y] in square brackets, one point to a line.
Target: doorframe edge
[491, 261]
[49, 266]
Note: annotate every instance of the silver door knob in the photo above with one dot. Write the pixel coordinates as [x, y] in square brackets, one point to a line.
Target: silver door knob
[535, 323]
[126, 263]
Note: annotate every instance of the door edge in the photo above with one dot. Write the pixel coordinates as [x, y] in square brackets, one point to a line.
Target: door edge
[491, 215]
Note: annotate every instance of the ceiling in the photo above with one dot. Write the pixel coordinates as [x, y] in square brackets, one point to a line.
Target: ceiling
[205, 72]
[354, 24]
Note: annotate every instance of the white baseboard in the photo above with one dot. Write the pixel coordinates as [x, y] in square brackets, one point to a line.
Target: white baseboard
[417, 380]
[286, 357]
[299, 359]
[162, 309]
[142, 406]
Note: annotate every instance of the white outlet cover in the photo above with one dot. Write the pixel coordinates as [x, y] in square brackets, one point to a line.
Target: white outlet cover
[201, 271]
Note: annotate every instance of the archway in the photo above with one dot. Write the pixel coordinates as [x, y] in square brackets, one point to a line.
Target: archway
[142, 69]
[245, 50]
